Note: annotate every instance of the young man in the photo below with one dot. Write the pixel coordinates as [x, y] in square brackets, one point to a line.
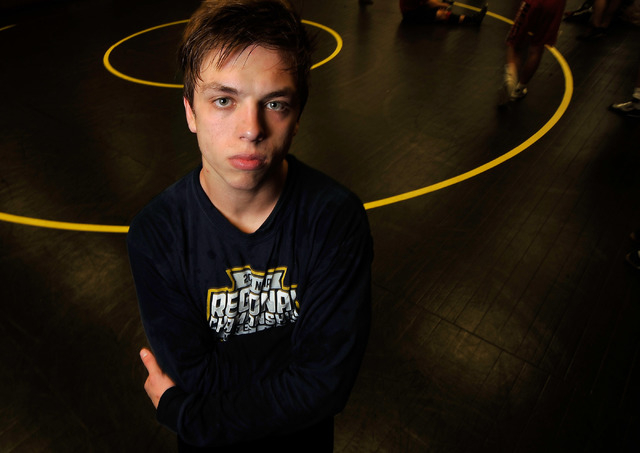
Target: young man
[253, 272]
[536, 24]
[432, 11]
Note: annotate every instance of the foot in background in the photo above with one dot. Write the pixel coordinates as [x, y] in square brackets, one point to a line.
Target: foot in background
[630, 108]
[519, 92]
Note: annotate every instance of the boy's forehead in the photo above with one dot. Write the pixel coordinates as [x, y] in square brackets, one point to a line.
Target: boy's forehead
[219, 66]
[219, 58]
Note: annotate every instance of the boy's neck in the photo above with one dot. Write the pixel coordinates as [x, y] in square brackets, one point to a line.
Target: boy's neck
[247, 210]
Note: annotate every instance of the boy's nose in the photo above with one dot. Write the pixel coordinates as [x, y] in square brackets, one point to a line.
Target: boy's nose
[251, 126]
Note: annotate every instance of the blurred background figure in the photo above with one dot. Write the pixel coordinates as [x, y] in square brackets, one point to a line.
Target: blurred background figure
[536, 24]
[432, 11]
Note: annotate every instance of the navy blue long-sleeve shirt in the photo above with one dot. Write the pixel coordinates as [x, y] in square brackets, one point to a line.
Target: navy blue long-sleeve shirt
[262, 333]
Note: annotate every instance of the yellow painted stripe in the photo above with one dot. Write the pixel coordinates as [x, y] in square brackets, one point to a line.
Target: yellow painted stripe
[6, 27]
[564, 104]
[335, 35]
[114, 71]
[62, 225]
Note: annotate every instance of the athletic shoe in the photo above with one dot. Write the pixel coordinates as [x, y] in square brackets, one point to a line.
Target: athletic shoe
[518, 93]
[582, 13]
[633, 258]
[629, 108]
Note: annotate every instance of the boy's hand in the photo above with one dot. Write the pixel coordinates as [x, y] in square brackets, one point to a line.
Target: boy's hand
[157, 382]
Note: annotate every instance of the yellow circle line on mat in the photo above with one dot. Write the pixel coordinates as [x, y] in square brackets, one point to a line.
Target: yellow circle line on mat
[564, 104]
[59, 225]
[114, 71]
[62, 225]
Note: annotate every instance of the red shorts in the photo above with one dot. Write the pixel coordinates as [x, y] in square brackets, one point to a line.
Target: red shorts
[538, 18]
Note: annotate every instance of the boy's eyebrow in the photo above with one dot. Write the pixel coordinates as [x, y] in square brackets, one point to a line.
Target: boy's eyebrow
[285, 92]
[214, 86]
[220, 88]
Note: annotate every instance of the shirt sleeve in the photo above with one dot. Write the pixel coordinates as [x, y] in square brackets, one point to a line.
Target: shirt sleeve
[228, 397]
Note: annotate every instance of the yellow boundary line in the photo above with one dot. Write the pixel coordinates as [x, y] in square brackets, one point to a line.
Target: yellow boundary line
[114, 71]
[371, 205]
[499, 160]
[564, 104]
[62, 225]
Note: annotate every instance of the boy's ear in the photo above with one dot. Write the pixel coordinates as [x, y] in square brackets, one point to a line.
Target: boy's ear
[190, 114]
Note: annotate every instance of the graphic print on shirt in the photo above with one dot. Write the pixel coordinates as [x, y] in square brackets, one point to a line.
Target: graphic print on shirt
[255, 301]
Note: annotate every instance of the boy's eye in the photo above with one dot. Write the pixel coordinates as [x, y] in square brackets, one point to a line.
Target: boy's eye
[222, 102]
[275, 105]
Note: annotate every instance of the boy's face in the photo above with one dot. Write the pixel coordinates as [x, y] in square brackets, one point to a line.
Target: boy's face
[245, 115]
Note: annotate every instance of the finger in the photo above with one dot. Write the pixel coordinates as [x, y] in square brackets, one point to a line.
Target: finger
[149, 361]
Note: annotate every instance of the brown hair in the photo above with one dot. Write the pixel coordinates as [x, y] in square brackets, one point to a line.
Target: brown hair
[227, 26]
